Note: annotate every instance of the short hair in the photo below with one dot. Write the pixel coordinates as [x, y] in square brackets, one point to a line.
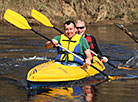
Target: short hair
[69, 22]
[78, 21]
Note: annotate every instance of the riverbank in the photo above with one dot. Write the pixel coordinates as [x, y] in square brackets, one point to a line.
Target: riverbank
[92, 12]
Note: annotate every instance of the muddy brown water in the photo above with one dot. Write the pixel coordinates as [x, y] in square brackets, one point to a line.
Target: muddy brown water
[20, 50]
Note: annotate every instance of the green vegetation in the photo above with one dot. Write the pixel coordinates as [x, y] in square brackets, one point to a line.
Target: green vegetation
[135, 15]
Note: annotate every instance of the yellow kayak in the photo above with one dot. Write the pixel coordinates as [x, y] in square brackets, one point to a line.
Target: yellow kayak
[55, 72]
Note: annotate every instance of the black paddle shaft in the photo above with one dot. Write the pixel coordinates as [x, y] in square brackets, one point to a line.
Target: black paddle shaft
[36, 32]
[99, 56]
[58, 30]
[100, 71]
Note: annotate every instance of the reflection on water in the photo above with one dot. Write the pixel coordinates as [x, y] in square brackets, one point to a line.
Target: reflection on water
[66, 94]
[20, 50]
[115, 91]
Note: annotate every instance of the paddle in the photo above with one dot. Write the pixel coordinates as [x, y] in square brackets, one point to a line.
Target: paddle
[123, 28]
[22, 23]
[44, 20]
[111, 63]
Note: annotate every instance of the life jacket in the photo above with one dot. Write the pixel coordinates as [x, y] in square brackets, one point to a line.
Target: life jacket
[90, 42]
[72, 45]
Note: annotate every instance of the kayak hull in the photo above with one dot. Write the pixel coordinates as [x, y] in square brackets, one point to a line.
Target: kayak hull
[35, 85]
[52, 73]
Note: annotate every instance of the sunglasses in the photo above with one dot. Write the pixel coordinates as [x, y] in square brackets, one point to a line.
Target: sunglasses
[80, 27]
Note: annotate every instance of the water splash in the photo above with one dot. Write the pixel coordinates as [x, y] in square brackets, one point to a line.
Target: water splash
[132, 62]
[34, 58]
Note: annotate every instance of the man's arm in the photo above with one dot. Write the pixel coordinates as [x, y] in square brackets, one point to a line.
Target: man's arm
[50, 44]
[86, 50]
[88, 56]
[97, 50]
[54, 42]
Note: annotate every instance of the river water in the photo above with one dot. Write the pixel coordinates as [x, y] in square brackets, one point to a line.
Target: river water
[20, 50]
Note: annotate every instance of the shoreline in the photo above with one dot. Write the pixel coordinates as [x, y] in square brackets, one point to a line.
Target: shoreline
[106, 12]
[103, 23]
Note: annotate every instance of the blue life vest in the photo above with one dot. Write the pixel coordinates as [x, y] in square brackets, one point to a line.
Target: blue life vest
[72, 45]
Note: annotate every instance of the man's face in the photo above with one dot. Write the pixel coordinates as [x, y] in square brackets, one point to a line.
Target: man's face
[80, 28]
[69, 30]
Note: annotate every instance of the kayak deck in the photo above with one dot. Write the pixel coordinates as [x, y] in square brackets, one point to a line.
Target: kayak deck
[54, 72]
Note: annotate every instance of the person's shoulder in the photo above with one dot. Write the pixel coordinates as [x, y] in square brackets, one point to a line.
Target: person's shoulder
[83, 39]
[90, 36]
[57, 37]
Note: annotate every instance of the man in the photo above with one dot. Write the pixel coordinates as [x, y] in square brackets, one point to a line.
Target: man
[74, 43]
[81, 28]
